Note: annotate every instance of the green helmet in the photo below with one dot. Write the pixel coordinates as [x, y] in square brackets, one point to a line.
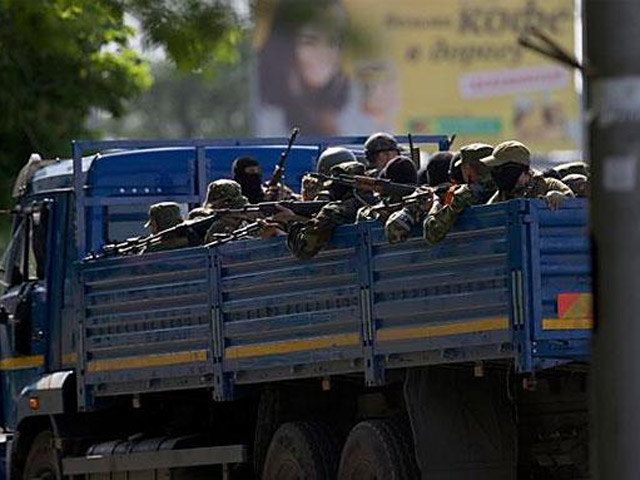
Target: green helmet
[224, 194]
[163, 216]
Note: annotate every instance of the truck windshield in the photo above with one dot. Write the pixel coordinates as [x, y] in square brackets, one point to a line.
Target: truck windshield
[12, 259]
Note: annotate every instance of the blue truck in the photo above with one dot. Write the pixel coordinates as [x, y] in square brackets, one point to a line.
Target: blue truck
[466, 360]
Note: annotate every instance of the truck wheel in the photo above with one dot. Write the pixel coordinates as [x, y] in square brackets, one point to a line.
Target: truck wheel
[377, 450]
[42, 461]
[301, 450]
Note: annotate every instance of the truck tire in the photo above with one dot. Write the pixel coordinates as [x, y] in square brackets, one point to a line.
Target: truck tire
[301, 450]
[378, 449]
[42, 461]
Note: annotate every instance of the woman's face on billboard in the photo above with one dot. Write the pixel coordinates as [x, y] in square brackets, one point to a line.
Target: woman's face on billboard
[317, 56]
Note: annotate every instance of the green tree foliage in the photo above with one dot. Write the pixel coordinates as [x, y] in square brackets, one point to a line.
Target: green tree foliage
[61, 59]
[210, 103]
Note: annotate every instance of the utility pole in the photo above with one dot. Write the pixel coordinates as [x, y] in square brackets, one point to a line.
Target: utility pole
[612, 30]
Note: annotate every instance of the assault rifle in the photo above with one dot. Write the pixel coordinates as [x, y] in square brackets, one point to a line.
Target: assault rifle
[238, 234]
[305, 209]
[369, 184]
[193, 231]
[417, 197]
[278, 171]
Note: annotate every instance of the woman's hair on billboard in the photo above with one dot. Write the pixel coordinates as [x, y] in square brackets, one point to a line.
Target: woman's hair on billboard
[300, 66]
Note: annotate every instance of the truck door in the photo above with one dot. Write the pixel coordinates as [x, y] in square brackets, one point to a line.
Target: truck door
[23, 304]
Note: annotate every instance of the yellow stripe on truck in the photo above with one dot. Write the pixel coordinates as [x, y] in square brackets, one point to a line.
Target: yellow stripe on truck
[567, 323]
[289, 346]
[17, 363]
[442, 330]
[143, 361]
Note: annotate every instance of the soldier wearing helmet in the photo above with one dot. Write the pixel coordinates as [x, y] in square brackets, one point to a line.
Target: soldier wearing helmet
[510, 166]
[332, 156]
[306, 239]
[163, 216]
[380, 148]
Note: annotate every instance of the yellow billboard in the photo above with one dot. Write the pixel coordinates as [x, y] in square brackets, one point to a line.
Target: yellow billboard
[420, 66]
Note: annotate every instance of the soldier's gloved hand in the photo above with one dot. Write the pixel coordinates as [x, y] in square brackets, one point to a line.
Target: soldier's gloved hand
[311, 187]
[554, 199]
[398, 227]
[462, 198]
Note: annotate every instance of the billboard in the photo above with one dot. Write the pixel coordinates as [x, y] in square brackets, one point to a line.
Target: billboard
[422, 66]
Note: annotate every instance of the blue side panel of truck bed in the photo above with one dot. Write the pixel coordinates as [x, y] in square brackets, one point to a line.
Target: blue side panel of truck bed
[440, 301]
[146, 324]
[561, 293]
[510, 281]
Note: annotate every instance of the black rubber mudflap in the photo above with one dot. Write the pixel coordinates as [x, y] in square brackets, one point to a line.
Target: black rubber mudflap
[463, 426]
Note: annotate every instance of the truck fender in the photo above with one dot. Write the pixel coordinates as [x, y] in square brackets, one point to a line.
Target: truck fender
[52, 394]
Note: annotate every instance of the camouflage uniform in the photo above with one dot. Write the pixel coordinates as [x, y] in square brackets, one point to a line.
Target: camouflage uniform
[224, 194]
[443, 215]
[306, 239]
[163, 216]
[537, 187]
[439, 223]
[516, 154]
[399, 170]
[398, 226]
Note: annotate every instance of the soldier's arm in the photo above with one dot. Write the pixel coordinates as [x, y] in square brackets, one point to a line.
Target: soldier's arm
[437, 224]
[554, 185]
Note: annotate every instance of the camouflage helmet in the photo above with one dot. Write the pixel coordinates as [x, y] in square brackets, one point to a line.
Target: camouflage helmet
[162, 216]
[222, 192]
[333, 156]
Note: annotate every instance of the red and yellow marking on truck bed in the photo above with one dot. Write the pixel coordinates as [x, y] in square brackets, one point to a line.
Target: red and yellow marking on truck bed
[575, 312]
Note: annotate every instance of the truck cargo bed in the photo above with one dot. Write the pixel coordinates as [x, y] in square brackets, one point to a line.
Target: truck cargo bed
[512, 281]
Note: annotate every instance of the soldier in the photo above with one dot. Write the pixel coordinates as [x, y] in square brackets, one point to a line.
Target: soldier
[380, 148]
[399, 170]
[511, 170]
[579, 184]
[306, 239]
[438, 168]
[163, 216]
[455, 169]
[572, 168]
[248, 173]
[224, 194]
[311, 186]
[477, 189]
